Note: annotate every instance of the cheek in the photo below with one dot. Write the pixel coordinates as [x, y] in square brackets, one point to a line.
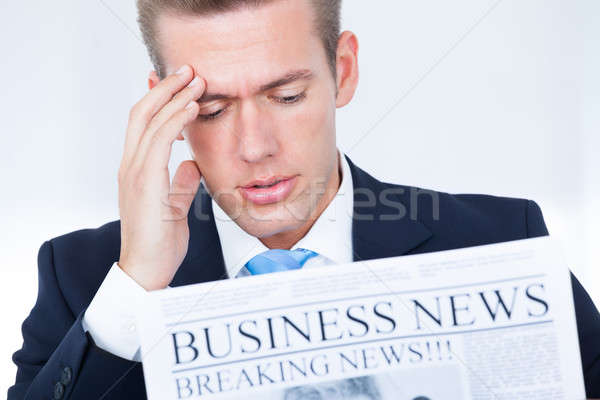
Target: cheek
[317, 136]
[210, 153]
[209, 141]
[200, 146]
[313, 125]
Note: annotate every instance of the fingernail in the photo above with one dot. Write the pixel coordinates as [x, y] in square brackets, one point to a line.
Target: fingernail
[182, 70]
[190, 105]
[194, 82]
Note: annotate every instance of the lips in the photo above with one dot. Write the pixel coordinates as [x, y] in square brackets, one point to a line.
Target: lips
[266, 182]
[269, 190]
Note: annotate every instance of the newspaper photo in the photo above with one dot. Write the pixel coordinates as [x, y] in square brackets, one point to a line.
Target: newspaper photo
[486, 322]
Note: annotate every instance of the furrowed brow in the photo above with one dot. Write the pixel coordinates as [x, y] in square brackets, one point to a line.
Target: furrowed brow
[292, 76]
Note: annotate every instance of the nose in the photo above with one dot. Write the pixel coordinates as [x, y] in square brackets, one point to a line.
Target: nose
[256, 138]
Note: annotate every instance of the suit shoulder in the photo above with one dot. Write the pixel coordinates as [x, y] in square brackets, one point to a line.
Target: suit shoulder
[462, 219]
[485, 219]
[524, 213]
[88, 242]
[491, 206]
[479, 205]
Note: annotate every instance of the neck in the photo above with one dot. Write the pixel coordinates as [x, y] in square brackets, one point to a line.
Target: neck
[285, 240]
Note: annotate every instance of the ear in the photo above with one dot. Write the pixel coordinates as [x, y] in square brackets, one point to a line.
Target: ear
[347, 68]
[153, 80]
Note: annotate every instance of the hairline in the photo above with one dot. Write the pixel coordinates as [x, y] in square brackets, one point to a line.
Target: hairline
[158, 59]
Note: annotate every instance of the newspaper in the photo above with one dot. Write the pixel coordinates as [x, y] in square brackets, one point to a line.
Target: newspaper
[486, 322]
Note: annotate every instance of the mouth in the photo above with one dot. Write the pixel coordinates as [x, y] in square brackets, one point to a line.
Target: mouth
[269, 190]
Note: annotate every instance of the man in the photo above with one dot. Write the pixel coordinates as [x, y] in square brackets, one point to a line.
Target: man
[253, 87]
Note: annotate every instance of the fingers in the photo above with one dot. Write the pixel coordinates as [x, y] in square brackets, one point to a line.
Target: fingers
[161, 121]
[160, 144]
[144, 110]
[193, 91]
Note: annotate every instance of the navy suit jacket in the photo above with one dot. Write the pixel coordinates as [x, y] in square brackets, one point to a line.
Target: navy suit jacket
[58, 360]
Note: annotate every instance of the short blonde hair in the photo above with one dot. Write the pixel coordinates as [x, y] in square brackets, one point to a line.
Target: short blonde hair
[326, 12]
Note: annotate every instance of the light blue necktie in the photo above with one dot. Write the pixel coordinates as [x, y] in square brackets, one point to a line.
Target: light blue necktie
[276, 260]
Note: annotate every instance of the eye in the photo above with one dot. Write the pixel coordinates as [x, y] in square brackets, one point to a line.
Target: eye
[208, 117]
[290, 99]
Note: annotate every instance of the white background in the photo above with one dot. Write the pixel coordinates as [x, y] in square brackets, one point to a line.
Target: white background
[469, 96]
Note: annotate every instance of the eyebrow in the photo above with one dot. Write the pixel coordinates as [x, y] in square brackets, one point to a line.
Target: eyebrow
[292, 76]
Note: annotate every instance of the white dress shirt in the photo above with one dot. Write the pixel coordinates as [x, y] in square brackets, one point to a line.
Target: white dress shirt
[110, 317]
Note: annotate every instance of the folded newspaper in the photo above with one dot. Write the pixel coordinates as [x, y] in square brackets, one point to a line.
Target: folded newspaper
[486, 322]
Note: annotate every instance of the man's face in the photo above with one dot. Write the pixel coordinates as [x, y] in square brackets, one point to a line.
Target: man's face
[258, 132]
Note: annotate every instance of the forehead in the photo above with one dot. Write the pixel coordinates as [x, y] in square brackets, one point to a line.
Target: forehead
[244, 46]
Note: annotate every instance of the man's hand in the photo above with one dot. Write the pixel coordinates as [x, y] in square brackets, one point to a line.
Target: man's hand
[154, 229]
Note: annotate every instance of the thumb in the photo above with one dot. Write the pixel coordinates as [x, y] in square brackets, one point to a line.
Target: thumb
[184, 187]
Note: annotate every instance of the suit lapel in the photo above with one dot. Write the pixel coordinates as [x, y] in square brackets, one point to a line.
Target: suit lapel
[382, 224]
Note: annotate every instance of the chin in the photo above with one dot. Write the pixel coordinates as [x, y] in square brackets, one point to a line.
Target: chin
[264, 229]
[264, 224]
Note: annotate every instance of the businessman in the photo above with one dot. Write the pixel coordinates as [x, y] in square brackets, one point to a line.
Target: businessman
[253, 87]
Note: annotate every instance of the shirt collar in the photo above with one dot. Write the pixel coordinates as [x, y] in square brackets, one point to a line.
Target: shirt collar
[330, 235]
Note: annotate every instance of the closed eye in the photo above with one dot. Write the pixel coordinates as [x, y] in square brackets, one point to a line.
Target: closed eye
[290, 99]
[207, 117]
[283, 100]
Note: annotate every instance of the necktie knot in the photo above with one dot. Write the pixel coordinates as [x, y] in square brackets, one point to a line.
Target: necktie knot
[276, 260]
